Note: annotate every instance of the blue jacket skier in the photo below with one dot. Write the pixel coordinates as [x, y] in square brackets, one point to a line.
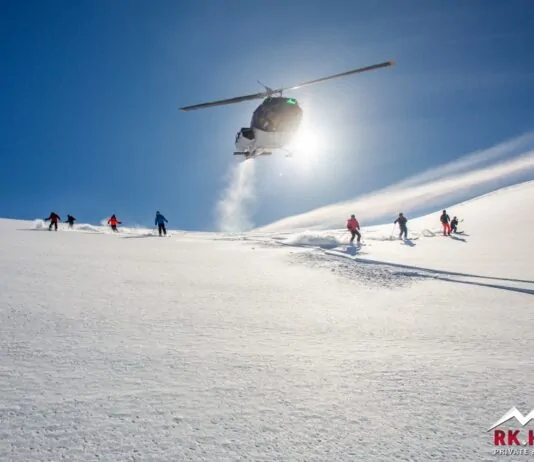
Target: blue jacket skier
[160, 223]
[70, 220]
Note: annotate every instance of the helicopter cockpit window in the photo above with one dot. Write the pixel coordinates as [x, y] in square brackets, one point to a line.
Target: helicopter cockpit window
[277, 116]
[248, 133]
[262, 119]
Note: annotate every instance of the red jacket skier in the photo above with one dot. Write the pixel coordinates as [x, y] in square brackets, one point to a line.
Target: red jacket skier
[445, 220]
[354, 228]
[53, 218]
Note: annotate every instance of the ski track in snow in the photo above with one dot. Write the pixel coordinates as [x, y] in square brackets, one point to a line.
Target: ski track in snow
[265, 347]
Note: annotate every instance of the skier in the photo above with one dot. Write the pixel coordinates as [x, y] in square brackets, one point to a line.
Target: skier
[354, 228]
[401, 220]
[454, 225]
[113, 221]
[70, 220]
[160, 223]
[53, 218]
[445, 219]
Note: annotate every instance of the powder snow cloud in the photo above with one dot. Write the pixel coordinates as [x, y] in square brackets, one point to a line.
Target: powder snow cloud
[234, 209]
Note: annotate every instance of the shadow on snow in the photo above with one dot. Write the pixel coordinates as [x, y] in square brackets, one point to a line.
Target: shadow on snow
[442, 275]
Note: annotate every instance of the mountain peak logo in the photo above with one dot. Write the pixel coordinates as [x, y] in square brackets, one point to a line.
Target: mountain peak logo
[511, 414]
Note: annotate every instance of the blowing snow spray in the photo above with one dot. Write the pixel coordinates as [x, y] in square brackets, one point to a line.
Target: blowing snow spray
[235, 206]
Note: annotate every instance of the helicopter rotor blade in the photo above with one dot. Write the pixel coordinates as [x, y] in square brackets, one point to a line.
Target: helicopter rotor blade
[223, 102]
[269, 91]
[342, 74]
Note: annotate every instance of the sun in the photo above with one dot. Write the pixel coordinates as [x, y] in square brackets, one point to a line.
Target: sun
[306, 146]
[305, 140]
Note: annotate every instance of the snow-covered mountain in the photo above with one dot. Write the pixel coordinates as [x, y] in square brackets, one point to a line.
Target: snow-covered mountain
[267, 346]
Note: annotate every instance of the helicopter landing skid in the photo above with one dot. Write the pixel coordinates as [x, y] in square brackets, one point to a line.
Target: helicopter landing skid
[251, 155]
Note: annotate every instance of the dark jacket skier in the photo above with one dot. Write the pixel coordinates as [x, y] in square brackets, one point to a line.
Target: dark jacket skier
[160, 221]
[401, 220]
[53, 219]
[454, 225]
[70, 220]
[445, 220]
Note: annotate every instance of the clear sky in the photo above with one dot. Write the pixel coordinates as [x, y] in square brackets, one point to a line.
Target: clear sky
[90, 91]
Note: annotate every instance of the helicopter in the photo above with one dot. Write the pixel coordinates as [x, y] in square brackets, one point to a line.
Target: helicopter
[276, 120]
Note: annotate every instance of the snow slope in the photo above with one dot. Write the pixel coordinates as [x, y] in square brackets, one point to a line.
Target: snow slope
[223, 347]
[469, 176]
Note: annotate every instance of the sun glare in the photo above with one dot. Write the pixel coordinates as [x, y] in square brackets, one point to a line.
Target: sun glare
[306, 146]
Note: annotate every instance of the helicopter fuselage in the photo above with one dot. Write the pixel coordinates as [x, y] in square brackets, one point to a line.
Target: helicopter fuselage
[273, 126]
[277, 119]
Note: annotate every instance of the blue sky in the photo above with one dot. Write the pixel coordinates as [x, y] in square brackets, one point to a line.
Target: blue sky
[90, 91]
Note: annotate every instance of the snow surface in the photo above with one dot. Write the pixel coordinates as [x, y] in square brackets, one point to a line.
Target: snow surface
[267, 347]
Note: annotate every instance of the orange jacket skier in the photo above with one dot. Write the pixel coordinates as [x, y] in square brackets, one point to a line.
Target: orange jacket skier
[113, 221]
